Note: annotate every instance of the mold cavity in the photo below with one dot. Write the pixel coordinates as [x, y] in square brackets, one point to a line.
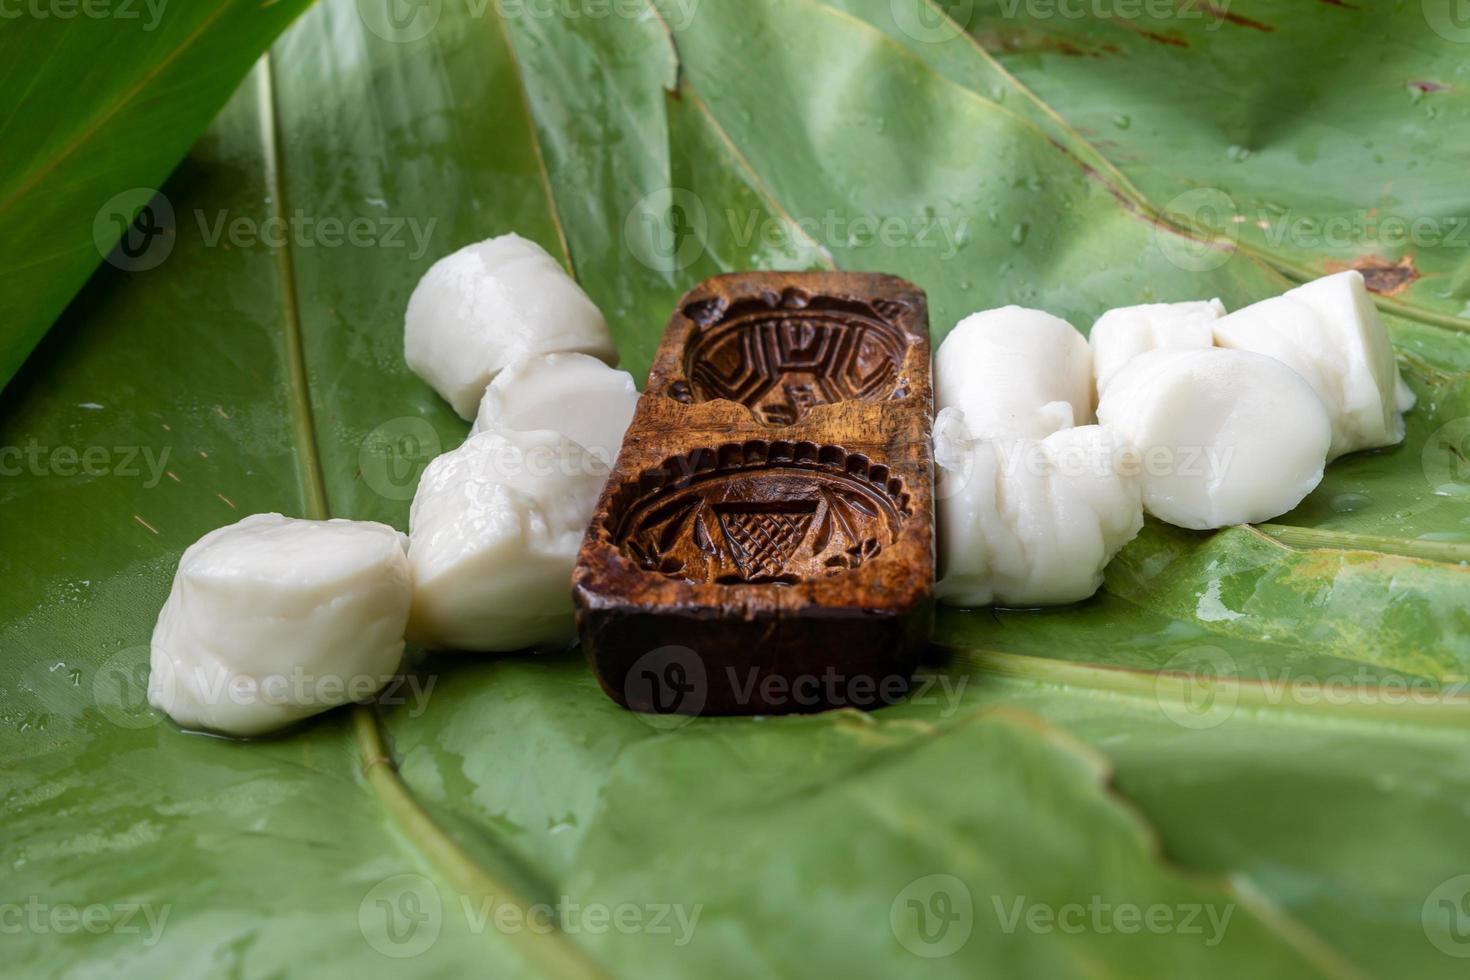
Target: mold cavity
[755, 519]
[781, 355]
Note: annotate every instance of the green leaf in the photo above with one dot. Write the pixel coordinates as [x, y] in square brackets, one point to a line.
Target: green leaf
[1262, 720]
[995, 862]
[1216, 116]
[104, 98]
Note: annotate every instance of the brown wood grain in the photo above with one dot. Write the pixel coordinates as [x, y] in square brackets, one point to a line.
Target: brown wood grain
[765, 542]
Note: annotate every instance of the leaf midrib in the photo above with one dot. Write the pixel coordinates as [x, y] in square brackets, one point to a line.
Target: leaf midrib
[303, 424]
[550, 953]
[542, 174]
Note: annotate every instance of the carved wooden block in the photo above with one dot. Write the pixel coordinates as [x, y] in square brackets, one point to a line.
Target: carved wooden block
[765, 543]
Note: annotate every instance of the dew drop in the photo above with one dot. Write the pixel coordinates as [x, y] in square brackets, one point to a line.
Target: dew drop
[1346, 503]
[1452, 536]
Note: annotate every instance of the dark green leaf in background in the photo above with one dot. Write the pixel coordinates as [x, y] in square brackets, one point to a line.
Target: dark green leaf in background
[102, 99]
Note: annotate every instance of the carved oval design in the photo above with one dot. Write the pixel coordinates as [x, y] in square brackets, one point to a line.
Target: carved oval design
[780, 355]
[758, 513]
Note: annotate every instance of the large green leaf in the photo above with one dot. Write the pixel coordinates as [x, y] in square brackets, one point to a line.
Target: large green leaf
[1265, 721]
[103, 98]
[1319, 139]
